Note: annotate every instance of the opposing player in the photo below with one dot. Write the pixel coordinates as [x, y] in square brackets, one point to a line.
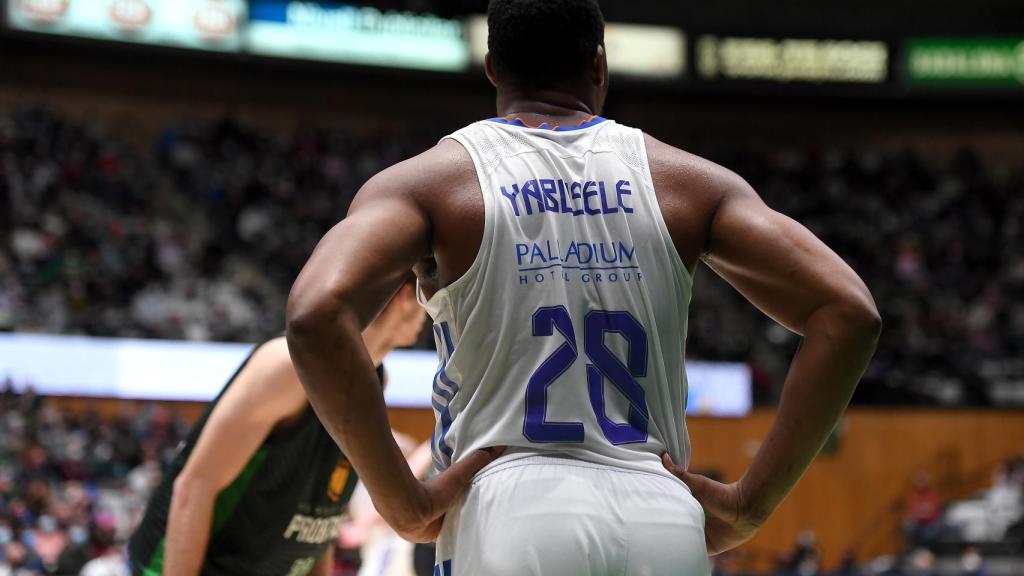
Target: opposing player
[555, 251]
[259, 486]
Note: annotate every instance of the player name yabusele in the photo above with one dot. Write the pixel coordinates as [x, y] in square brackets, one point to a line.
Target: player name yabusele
[589, 198]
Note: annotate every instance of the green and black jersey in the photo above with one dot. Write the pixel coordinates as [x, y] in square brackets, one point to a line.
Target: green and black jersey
[278, 515]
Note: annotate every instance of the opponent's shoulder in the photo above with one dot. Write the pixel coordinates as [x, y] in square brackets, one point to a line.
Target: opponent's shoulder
[268, 384]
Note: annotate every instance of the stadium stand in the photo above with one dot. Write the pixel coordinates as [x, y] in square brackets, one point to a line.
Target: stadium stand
[200, 237]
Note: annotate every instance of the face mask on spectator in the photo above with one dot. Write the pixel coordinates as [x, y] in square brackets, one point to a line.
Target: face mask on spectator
[47, 524]
[78, 534]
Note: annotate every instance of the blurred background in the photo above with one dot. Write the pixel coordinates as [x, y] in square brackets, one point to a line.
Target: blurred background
[166, 167]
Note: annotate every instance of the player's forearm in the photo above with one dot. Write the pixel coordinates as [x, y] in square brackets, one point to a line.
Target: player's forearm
[838, 343]
[342, 385]
[325, 565]
[188, 527]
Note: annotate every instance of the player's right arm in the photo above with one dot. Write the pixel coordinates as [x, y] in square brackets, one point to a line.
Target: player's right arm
[794, 278]
[263, 394]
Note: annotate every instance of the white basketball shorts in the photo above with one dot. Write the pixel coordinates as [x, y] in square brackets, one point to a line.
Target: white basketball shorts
[557, 516]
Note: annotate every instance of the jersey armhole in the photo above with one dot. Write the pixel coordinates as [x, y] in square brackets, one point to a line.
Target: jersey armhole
[443, 295]
[670, 244]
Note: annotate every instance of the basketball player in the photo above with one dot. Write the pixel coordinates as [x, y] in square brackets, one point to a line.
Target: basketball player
[259, 486]
[555, 251]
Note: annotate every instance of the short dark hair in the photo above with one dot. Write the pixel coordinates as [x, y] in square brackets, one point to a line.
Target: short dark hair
[538, 43]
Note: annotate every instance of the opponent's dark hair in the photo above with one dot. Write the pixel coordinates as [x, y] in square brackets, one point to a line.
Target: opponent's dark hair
[540, 43]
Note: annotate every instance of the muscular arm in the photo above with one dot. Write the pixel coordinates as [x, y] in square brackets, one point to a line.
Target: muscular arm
[266, 392]
[349, 278]
[798, 281]
[790, 275]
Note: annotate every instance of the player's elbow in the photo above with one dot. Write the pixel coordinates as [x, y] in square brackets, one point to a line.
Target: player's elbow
[311, 311]
[858, 314]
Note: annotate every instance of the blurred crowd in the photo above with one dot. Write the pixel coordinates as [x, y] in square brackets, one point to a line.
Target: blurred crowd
[72, 487]
[940, 245]
[201, 237]
[993, 515]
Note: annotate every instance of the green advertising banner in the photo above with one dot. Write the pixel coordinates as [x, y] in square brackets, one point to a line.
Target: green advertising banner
[966, 62]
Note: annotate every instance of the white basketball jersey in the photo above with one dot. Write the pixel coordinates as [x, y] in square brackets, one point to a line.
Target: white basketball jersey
[566, 334]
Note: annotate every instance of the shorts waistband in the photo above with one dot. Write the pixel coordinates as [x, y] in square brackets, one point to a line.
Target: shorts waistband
[517, 459]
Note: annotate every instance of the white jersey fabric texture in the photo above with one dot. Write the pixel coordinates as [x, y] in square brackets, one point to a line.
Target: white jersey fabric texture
[564, 343]
[566, 335]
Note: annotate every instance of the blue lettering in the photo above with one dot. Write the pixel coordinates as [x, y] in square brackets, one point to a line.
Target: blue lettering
[548, 188]
[605, 257]
[552, 254]
[576, 198]
[572, 252]
[524, 279]
[626, 253]
[605, 209]
[590, 253]
[575, 195]
[566, 209]
[537, 254]
[521, 250]
[512, 197]
[622, 189]
[588, 193]
[530, 190]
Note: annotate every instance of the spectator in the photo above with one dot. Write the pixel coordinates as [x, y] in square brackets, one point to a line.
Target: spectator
[922, 563]
[922, 516]
[1004, 500]
[972, 563]
[848, 566]
[804, 560]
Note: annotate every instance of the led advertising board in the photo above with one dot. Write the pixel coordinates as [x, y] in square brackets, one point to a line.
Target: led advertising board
[633, 49]
[199, 24]
[196, 371]
[791, 60]
[356, 35]
[965, 62]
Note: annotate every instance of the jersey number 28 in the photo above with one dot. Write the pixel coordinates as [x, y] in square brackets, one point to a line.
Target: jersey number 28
[603, 364]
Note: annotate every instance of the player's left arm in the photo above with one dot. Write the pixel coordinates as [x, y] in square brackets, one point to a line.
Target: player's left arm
[348, 280]
[325, 565]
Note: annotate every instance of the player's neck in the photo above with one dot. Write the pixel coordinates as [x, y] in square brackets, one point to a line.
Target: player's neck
[556, 105]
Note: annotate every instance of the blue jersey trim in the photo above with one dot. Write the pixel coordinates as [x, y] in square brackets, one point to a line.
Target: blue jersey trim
[546, 126]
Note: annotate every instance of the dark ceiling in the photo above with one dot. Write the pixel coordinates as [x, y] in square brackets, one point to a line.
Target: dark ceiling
[878, 18]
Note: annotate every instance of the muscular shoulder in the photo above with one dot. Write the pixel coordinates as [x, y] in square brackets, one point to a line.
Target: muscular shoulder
[439, 191]
[446, 165]
[690, 190]
[681, 171]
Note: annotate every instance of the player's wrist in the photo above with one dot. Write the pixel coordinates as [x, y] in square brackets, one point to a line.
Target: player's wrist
[753, 508]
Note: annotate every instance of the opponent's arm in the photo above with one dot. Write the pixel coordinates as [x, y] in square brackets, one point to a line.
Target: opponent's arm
[795, 279]
[264, 393]
[325, 565]
[349, 278]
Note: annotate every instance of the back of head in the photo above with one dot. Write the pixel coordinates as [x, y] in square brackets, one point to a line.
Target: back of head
[543, 43]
